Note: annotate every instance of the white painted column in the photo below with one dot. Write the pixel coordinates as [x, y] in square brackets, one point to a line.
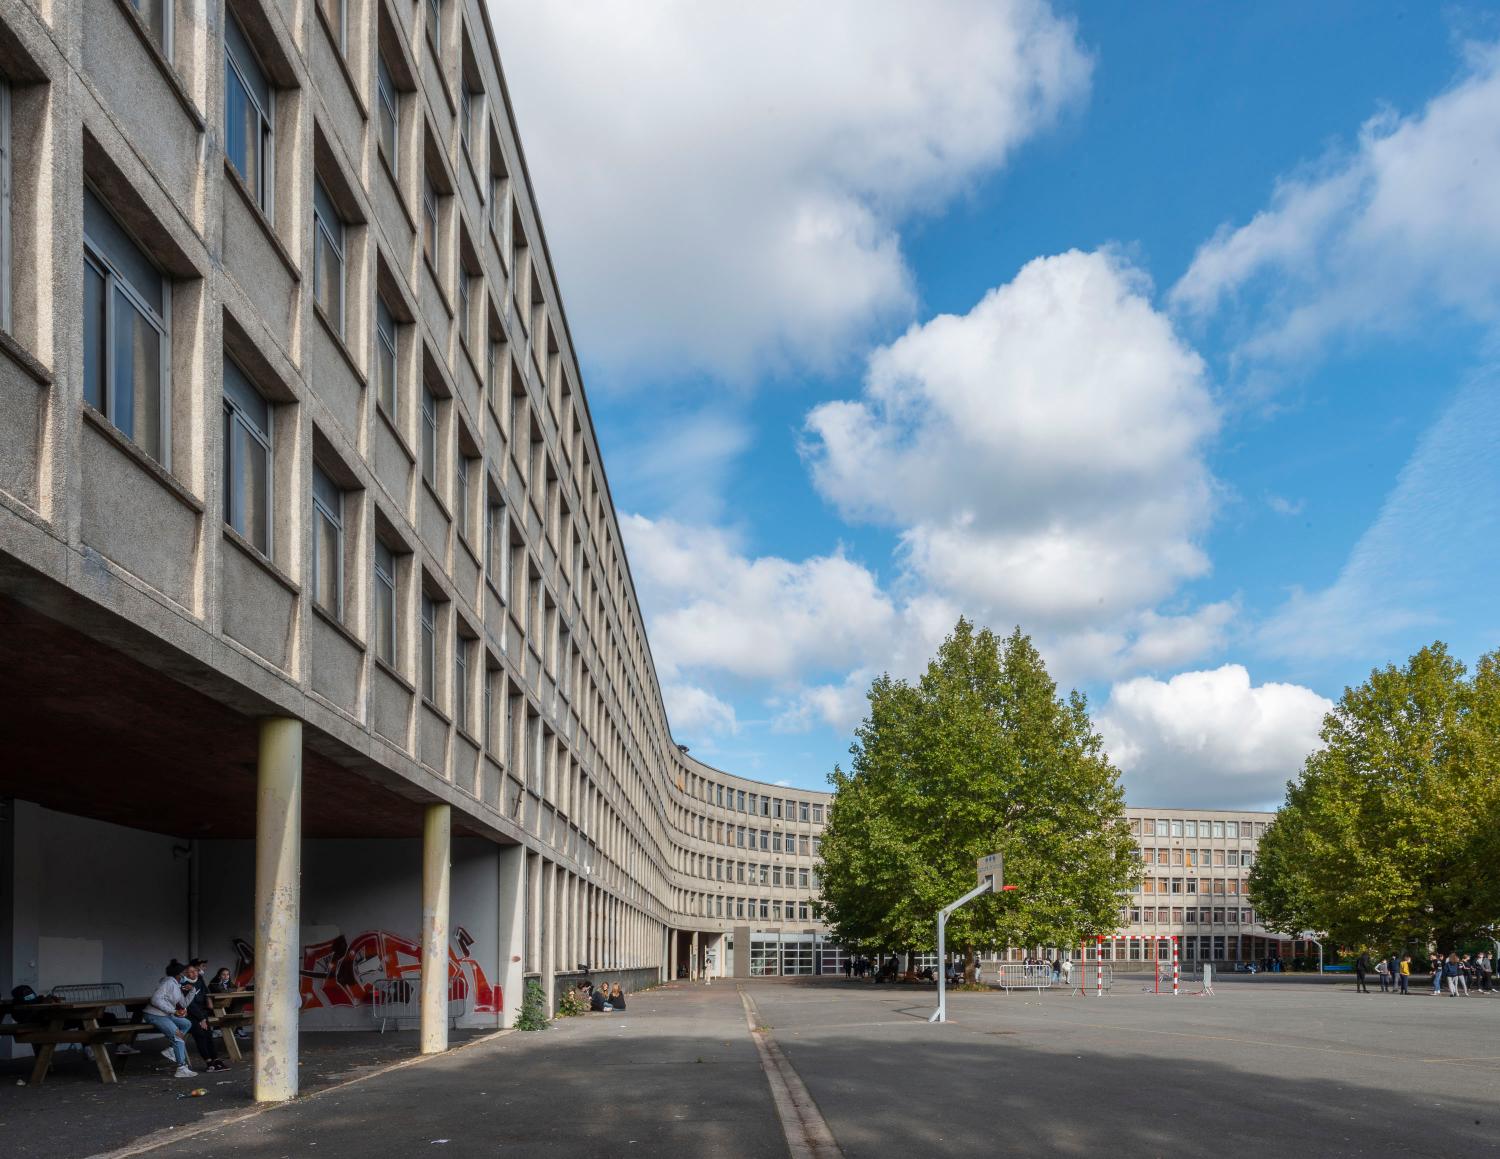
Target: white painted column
[278, 908]
[511, 931]
[671, 953]
[549, 934]
[437, 842]
[693, 969]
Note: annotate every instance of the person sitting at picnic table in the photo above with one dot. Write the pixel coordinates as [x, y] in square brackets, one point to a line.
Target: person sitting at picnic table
[617, 997]
[199, 1011]
[167, 1012]
[222, 982]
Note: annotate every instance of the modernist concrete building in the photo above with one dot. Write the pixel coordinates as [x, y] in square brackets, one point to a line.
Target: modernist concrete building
[319, 651]
[1194, 887]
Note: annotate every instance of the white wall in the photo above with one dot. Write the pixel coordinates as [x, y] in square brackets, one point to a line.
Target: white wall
[86, 901]
[351, 889]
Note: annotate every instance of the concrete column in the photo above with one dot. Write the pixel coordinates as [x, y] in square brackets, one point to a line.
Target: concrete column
[671, 953]
[511, 931]
[278, 908]
[437, 842]
[693, 969]
[549, 933]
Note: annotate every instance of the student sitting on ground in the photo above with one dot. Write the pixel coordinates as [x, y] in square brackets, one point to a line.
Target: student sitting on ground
[597, 998]
[617, 997]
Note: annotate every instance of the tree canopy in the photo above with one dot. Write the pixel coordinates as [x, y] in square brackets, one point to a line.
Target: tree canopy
[978, 756]
[1389, 835]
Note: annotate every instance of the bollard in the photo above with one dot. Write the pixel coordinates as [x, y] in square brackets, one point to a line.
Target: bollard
[1174, 967]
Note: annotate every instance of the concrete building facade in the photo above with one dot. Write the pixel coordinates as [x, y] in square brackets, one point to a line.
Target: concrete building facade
[319, 649]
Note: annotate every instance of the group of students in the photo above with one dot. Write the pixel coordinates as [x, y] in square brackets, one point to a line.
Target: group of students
[1464, 974]
[179, 1006]
[601, 998]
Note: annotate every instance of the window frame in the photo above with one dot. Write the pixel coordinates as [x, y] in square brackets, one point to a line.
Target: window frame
[385, 577]
[429, 422]
[235, 413]
[339, 245]
[462, 480]
[321, 509]
[387, 343]
[114, 278]
[427, 674]
[461, 646]
[388, 108]
[430, 222]
[265, 198]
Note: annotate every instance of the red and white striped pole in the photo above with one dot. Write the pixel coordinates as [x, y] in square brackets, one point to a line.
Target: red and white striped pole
[1099, 967]
[1175, 970]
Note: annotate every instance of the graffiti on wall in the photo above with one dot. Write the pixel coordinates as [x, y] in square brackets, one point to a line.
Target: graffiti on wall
[341, 971]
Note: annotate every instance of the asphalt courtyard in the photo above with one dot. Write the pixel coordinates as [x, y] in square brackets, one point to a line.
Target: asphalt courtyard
[856, 1070]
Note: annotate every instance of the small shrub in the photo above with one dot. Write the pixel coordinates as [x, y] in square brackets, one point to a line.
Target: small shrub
[533, 1014]
[571, 1005]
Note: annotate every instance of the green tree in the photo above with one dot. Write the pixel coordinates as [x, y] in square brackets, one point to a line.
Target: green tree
[1388, 836]
[980, 755]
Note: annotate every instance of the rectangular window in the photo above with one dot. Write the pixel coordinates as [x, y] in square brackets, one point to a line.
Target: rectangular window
[156, 15]
[389, 113]
[802, 811]
[125, 304]
[385, 603]
[1232, 829]
[5, 242]
[1218, 828]
[466, 282]
[328, 257]
[1149, 827]
[248, 115]
[328, 544]
[817, 814]
[1176, 828]
[334, 12]
[435, 22]
[429, 220]
[429, 437]
[385, 358]
[466, 118]
[429, 648]
[742, 800]
[460, 680]
[461, 493]
[247, 459]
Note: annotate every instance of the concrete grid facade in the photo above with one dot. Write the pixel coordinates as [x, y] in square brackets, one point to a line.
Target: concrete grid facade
[291, 429]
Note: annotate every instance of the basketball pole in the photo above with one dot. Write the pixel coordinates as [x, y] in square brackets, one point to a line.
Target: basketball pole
[991, 878]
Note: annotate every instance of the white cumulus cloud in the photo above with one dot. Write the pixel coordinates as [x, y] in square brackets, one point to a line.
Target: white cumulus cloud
[695, 711]
[1210, 738]
[1042, 455]
[724, 184]
[1372, 239]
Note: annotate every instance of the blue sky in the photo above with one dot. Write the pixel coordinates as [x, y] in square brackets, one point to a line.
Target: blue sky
[1166, 332]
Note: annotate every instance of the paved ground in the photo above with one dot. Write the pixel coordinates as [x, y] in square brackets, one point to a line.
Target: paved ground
[1309, 1069]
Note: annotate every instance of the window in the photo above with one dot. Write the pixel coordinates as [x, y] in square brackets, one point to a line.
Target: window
[125, 331]
[1190, 828]
[429, 437]
[385, 358]
[468, 285]
[335, 13]
[1219, 830]
[461, 493]
[460, 679]
[328, 544]
[1176, 828]
[817, 814]
[802, 811]
[435, 22]
[385, 603]
[496, 532]
[328, 257]
[466, 105]
[247, 459]
[388, 111]
[5, 245]
[156, 15]
[429, 220]
[1232, 829]
[500, 209]
[248, 112]
[429, 648]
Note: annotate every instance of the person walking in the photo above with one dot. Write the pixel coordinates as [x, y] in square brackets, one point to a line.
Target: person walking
[1453, 970]
[1404, 973]
[1361, 969]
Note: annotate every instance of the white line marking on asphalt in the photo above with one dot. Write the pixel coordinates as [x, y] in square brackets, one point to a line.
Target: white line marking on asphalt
[807, 1133]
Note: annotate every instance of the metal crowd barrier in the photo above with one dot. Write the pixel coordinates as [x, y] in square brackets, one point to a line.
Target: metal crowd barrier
[392, 999]
[1019, 976]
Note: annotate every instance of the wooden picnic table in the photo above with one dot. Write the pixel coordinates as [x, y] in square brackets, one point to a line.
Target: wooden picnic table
[229, 1014]
[47, 1028]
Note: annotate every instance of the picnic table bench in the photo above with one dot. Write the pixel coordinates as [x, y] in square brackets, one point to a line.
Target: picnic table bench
[49, 1027]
